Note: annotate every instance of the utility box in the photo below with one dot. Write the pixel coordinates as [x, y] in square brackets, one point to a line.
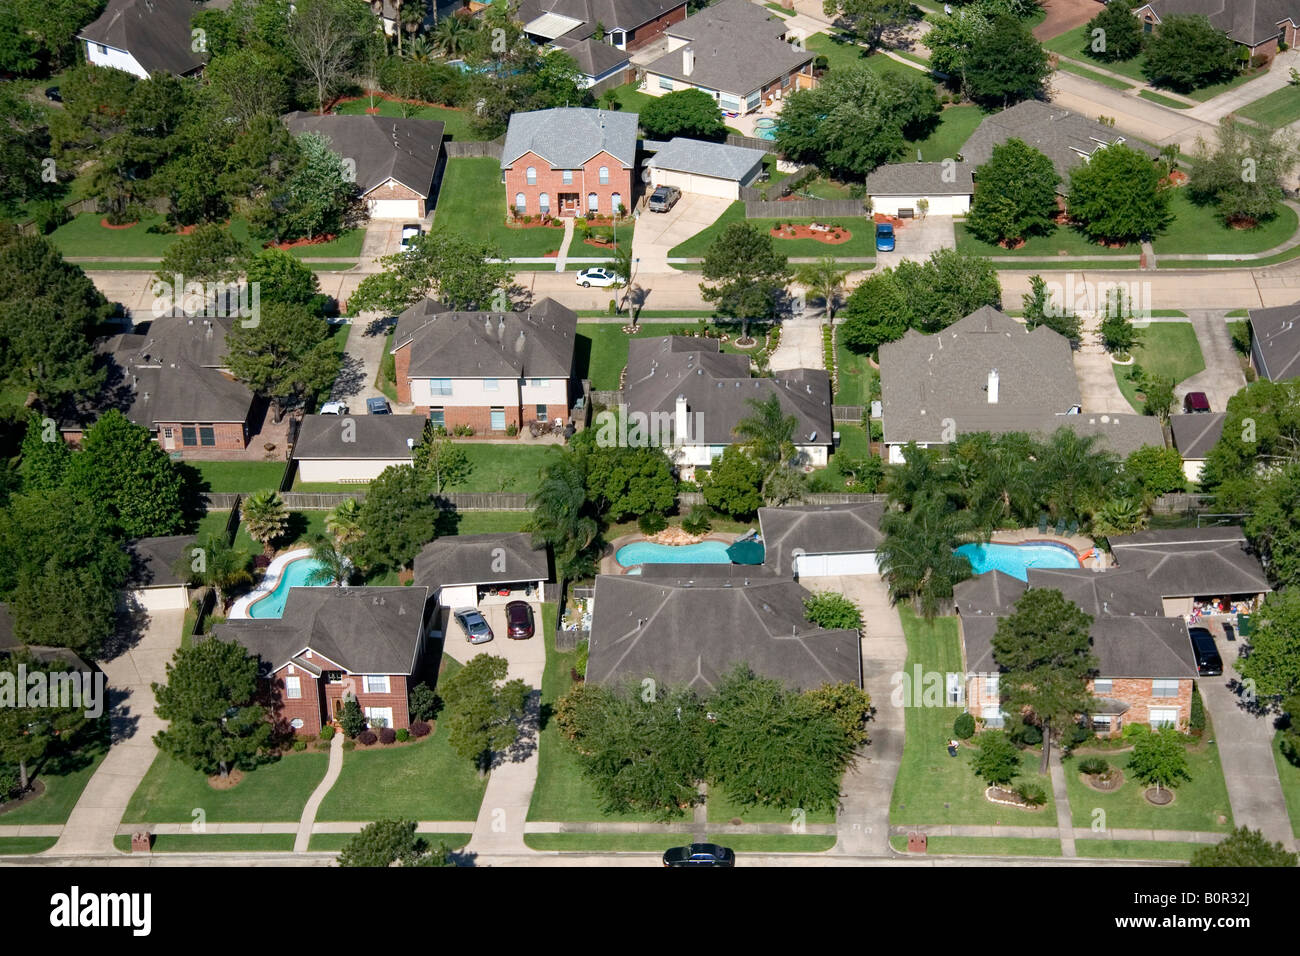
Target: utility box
[142, 842]
[916, 843]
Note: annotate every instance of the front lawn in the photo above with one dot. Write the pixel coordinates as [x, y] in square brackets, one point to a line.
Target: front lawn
[861, 244]
[273, 793]
[723, 809]
[1061, 241]
[214, 842]
[455, 123]
[240, 476]
[983, 846]
[1165, 349]
[84, 236]
[1277, 109]
[64, 776]
[1135, 849]
[23, 846]
[335, 842]
[1093, 75]
[1199, 229]
[842, 53]
[1289, 776]
[472, 203]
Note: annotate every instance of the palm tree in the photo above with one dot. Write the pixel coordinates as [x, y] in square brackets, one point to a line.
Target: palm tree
[1003, 482]
[1077, 473]
[768, 432]
[218, 565]
[620, 263]
[333, 564]
[784, 486]
[265, 518]
[917, 557]
[420, 50]
[824, 279]
[410, 18]
[454, 35]
[344, 522]
[922, 469]
[561, 515]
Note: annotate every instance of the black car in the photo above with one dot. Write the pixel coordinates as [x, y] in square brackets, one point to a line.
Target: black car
[700, 854]
[519, 619]
[1208, 661]
[53, 95]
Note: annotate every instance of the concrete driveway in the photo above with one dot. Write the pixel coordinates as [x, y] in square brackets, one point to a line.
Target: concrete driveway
[657, 233]
[915, 239]
[1063, 15]
[527, 658]
[1223, 376]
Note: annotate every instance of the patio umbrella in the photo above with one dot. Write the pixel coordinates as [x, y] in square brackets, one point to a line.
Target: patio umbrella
[746, 552]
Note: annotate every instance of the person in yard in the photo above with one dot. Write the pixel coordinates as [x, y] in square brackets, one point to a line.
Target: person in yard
[952, 748]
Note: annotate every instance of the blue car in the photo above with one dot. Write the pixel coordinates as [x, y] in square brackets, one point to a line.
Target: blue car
[884, 237]
[378, 406]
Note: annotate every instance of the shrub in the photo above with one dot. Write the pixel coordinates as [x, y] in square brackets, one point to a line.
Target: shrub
[998, 761]
[613, 307]
[327, 733]
[367, 737]
[963, 728]
[877, 430]
[349, 745]
[697, 522]
[652, 523]
[419, 728]
[299, 746]
[387, 735]
[425, 704]
[403, 735]
[1027, 735]
[1032, 794]
[1196, 721]
[352, 720]
[1093, 766]
[584, 652]
[1241, 337]
[512, 429]
[1135, 730]
[1077, 734]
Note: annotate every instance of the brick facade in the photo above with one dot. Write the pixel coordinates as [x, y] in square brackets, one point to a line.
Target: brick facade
[646, 32]
[228, 436]
[395, 190]
[1134, 691]
[321, 698]
[480, 418]
[568, 199]
[402, 371]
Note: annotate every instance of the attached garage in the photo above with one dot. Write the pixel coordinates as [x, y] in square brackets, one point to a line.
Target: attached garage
[408, 210]
[454, 568]
[908, 190]
[705, 169]
[814, 541]
[823, 565]
[354, 448]
[153, 583]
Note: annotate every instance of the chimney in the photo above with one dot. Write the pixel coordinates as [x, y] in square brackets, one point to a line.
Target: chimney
[688, 61]
[993, 387]
[681, 429]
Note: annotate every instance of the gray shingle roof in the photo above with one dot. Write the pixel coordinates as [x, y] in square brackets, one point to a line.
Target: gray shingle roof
[993, 593]
[1192, 562]
[155, 32]
[154, 560]
[921, 179]
[567, 137]
[1247, 21]
[503, 558]
[1118, 592]
[357, 437]
[693, 635]
[594, 57]
[382, 147]
[818, 529]
[612, 14]
[709, 159]
[1276, 341]
[1195, 435]
[537, 343]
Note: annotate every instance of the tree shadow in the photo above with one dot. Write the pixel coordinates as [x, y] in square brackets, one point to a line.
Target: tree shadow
[379, 325]
[351, 378]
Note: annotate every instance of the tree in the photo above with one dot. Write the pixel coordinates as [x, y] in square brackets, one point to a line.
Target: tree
[1117, 196]
[744, 274]
[691, 113]
[1274, 659]
[392, 843]
[319, 197]
[1160, 759]
[324, 37]
[833, 611]
[210, 701]
[1045, 653]
[1040, 309]
[29, 731]
[869, 20]
[948, 286]
[732, 486]
[1244, 847]
[1159, 392]
[848, 704]
[352, 720]
[1113, 34]
[627, 482]
[1016, 196]
[265, 518]
[441, 461]
[1117, 333]
[208, 254]
[24, 142]
[824, 279]
[876, 312]
[951, 38]
[333, 566]
[483, 714]
[1188, 52]
[917, 558]
[45, 456]
[282, 277]
[286, 356]
[767, 432]
[218, 565]
[997, 477]
[1260, 433]
[398, 517]
[1274, 526]
[344, 522]
[454, 35]
[997, 762]
[784, 485]
[1243, 175]
[1005, 64]
[248, 82]
[1156, 470]
[563, 518]
[1076, 474]
[441, 264]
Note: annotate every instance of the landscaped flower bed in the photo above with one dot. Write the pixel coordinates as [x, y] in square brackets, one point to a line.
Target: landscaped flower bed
[832, 235]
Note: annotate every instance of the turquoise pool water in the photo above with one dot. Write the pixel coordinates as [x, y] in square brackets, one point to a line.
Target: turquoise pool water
[646, 552]
[1017, 559]
[295, 575]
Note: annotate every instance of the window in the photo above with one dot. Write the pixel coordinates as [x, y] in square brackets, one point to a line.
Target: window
[1101, 723]
[100, 48]
[991, 714]
[490, 385]
[615, 200]
[439, 386]
[207, 435]
[617, 38]
[1102, 685]
[541, 413]
[665, 83]
[715, 452]
[293, 688]
[593, 202]
[729, 103]
[785, 81]
[566, 177]
[438, 417]
[544, 203]
[530, 175]
[602, 175]
[539, 382]
[297, 723]
[521, 202]
[1164, 716]
[991, 687]
[498, 423]
[167, 433]
[189, 435]
[752, 101]
[379, 716]
[376, 684]
[1164, 688]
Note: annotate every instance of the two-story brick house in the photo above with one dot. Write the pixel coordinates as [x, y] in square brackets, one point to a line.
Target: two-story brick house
[488, 370]
[569, 162]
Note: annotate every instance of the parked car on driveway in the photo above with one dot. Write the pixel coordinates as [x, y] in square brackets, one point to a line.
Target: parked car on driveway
[700, 854]
[333, 408]
[409, 234]
[1208, 661]
[472, 623]
[519, 619]
[884, 237]
[598, 276]
[663, 198]
[1195, 402]
[378, 406]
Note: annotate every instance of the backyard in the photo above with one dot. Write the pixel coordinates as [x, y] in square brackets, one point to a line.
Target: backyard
[455, 123]
[1166, 350]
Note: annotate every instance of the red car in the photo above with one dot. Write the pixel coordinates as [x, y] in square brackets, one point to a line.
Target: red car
[1196, 402]
[519, 620]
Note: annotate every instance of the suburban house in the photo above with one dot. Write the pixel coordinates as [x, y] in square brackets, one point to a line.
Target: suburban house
[907, 190]
[1145, 666]
[169, 375]
[354, 448]
[710, 169]
[488, 370]
[690, 395]
[569, 162]
[145, 36]
[395, 160]
[467, 570]
[332, 643]
[1064, 137]
[10, 645]
[601, 65]
[690, 631]
[737, 52]
[1275, 342]
[809, 541]
[1196, 572]
[1194, 436]
[1257, 25]
[627, 24]
[989, 373]
[153, 582]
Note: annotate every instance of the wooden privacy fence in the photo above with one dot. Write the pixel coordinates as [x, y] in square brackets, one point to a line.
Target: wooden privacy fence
[477, 148]
[1169, 504]
[781, 186]
[804, 209]
[752, 142]
[847, 413]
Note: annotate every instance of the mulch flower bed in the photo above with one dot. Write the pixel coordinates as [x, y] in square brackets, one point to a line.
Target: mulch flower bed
[892, 220]
[1176, 178]
[599, 244]
[1008, 798]
[289, 244]
[108, 225]
[228, 782]
[1158, 798]
[832, 237]
[548, 224]
[35, 790]
[1105, 783]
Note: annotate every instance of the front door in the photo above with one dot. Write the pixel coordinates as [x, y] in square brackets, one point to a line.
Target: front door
[568, 204]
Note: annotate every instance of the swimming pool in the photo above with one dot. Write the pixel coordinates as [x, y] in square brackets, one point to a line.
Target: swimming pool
[293, 570]
[765, 128]
[1017, 559]
[647, 552]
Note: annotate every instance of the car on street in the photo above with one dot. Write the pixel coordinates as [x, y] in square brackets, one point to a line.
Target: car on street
[884, 237]
[519, 619]
[1196, 402]
[598, 276]
[663, 198]
[378, 406]
[410, 233]
[333, 408]
[700, 854]
[1208, 661]
[472, 623]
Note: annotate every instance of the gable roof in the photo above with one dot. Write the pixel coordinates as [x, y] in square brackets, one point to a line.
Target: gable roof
[1195, 435]
[1276, 341]
[365, 630]
[692, 635]
[357, 437]
[594, 57]
[708, 159]
[818, 529]
[993, 593]
[502, 558]
[612, 14]
[1192, 562]
[921, 179]
[566, 137]
[154, 560]
[537, 343]
[1247, 21]
[1115, 593]
[155, 32]
[382, 147]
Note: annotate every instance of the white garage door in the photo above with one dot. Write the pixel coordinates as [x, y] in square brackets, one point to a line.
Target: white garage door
[458, 596]
[700, 185]
[158, 599]
[408, 209]
[821, 565]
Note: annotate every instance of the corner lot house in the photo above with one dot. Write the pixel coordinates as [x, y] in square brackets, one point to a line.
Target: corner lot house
[810, 541]
[628, 24]
[737, 52]
[1257, 25]
[488, 370]
[395, 159]
[710, 169]
[1196, 572]
[152, 583]
[145, 36]
[354, 448]
[1194, 436]
[366, 642]
[569, 162]
[1275, 342]
[465, 569]
[898, 189]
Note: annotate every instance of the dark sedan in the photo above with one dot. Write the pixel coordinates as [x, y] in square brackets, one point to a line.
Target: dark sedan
[519, 620]
[1208, 661]
[700, 854]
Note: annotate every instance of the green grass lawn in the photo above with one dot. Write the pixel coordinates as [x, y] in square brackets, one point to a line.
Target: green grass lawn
[1077, 44]
[931, 786]
[842, 53]
[335, 842]
[854, 443]
[855, 376]
[723, 809]
[273, 793]
[214, 842]
[774, 842]
[241, 476]
[508, 467]
[455, 123]
[1289, 775]
[984, 846]
[1163, 100]
[1198, 229]
[1277, 109]
[862, 242]
[84, 236]
[1093, 75]
[1062, 241]
[472, 202]
[64, 777]
[602, 349]
[486, 522]
[16, 846]
[1166, 349]
[1135, 849]
[659, 842]
[1214, 89]
[630, 99]
[956, 123]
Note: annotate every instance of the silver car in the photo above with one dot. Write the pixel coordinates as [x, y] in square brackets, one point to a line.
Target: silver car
[472, 623]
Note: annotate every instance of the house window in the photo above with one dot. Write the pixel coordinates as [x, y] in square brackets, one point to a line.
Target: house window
[617, 38]
[991, 687]
[101, 49]
[538, 382]
[1164, 688]
[1101, 723]
[167, 433]
[297, 723]
[544, 203]
[991, 714]
[530, 175]
[729, 103]
[615, 200]
[1146, 26]
[541, 413]
[207, 435]
[521, 202]
[752, 101]
[566, 177]
[439, 386]
[1102, 685]
[715, 452]
[665, 83]
[379, 716]
[593, 202]
[377, 684]
[498, 423]
[602, 175]
[490, 385]
[293, 688]
[438, 417]
[189, 435]
[785, 81]
[1164, 716]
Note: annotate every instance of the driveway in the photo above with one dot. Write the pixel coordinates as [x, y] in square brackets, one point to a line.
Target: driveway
[915, 239]
[657, 233]
[365, 350]
[801, 346]
[1223, 376]
[1063, 15]
[1230, 101]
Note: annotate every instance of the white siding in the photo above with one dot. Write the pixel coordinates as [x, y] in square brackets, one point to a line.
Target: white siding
[461, 595]
[820, 565]
[116, 59]
[701, 185]
[338, 469]
[939, 205]
[473, 393]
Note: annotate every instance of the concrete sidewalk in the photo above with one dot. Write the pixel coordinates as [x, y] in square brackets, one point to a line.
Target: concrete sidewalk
[308, 818]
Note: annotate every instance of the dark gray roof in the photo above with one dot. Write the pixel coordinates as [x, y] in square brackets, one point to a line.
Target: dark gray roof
[1066, 138]
[1117, 593]
[1192, 562]
[694, 635]
[737, 46]
[154, 560]
[1195, 435]
[709, 159]
[612, 14]
[566, 137]
[502, 558]
[1120, 434]
[1276, 341]
[818, 529]
[717, 385]
[365, 630]
[155, 32]
[594, 57]
[1247, 21]
[537, 343]
[382, 147]
[993, 593]
[357, 437]
[921, 179]
[714, 573]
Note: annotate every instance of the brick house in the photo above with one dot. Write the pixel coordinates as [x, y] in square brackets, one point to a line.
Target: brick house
[1146, 669]
[628, 24]
[332, 643]
[1256, 25]
[488, 370]
[569, 162]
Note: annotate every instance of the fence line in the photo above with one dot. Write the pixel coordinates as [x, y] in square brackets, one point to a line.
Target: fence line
[476, 148]
[752, 142]
[848, 413]
[778, 187]
[326, 501]
[803, 208]
[607, 396]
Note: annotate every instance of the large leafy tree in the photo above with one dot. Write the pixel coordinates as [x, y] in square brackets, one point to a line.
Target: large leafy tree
[1005, 64]
[1114, 33]
[283, 277]
[24, 143]
[997, 477]
[951, 38]
[1156, 470]
[1015, 194]
[744, 274]
[1242, 175]
[1159, 759]
[208, 254]
[1274, 525]
[734, 483]
[286, 355]
[1041, 309]
[870, 20]
[249, 82]
[692, 113]
[210, 699]
[29, 733]
[1076, 474]
[1261, 432]
[325, 37]
[1244, 847]
[1274, 659]
[1188, 52]
[41, 35]
[563, 517]
[442, 264]
[1045, 653]
[877, 311]
[45, 456]
[398, 517]
[628, 482]
[916, 557]
[392, 843]
[483, 709]
[1117, 196]
[443, 462]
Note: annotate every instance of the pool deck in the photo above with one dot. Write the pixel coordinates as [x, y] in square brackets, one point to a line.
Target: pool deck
[609, 564]
[271, 580]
